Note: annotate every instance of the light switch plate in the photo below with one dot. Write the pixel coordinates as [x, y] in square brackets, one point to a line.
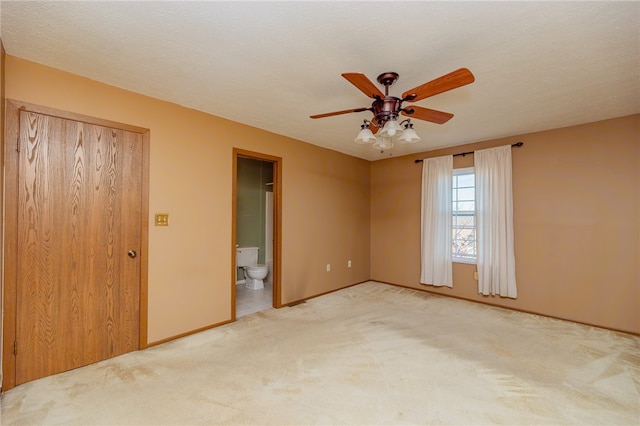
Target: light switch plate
[162, 219]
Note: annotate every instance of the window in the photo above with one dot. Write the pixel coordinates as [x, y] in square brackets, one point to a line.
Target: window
[463, 222]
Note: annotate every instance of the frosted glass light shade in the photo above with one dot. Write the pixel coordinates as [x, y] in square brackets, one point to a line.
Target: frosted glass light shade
[390, 128]
[365, 136]
[408, 136]
[383, 143]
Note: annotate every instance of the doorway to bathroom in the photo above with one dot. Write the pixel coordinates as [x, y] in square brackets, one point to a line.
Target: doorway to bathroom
[256, 236]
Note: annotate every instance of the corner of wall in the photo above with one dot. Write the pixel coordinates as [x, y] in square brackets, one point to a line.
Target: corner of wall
[2, 100]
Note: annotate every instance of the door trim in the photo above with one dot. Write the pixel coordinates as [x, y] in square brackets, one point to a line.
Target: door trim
[277, 223]
[12, 123]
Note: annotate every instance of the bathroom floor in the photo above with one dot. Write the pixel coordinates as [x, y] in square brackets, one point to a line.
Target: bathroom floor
[249, 301]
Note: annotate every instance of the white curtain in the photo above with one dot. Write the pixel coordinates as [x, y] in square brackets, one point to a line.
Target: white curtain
[494, 212]
[437, 183]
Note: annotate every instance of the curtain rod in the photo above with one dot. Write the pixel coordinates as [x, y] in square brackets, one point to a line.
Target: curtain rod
[515, 145]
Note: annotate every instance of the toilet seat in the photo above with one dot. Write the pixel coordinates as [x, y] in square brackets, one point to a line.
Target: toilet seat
[258, 266]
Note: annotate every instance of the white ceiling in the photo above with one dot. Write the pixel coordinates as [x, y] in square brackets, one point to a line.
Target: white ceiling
[538, 65]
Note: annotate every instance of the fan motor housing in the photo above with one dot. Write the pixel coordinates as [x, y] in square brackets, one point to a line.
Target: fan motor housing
[386, 109]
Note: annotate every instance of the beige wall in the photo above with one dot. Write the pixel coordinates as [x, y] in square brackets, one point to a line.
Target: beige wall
[325, 204]
[576, 219]
[576, 205]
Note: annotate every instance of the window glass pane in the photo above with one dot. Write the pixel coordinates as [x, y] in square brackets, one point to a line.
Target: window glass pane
[463, 229]
[466, 180]
[463, 221]
[468, 206]
[465, 234]
[466, 245]
[467, 194]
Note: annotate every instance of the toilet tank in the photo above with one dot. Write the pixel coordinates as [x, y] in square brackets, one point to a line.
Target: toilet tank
[246, 256]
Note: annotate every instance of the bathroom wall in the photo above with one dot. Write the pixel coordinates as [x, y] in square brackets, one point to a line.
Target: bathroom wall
[576, 195]
[253, 176]
[325, 199]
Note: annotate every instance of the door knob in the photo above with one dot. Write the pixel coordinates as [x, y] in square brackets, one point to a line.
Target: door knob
[132, 253]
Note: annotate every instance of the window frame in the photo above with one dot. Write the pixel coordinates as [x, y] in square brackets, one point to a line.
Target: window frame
[454, 258]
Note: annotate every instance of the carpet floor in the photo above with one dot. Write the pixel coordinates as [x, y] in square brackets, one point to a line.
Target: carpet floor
[370, 354]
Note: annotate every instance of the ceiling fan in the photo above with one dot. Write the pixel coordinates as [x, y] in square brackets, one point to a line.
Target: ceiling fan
[386, 109]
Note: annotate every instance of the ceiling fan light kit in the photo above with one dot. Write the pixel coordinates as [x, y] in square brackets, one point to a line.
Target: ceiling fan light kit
[408, 134]
[365, 135]
[386, 109]
[390, 128]
[384, 143]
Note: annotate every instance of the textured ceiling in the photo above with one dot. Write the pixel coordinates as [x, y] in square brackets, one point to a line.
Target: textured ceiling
[538, 65]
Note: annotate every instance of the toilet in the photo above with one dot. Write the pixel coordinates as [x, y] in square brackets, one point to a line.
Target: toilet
[254, 273]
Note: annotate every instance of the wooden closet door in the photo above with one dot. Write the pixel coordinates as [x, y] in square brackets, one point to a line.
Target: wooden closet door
[79, 210]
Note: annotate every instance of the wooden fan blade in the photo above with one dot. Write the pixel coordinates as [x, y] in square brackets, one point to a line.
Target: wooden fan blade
[432, 115]
[364, 84]
[346, 111]
[447, 82]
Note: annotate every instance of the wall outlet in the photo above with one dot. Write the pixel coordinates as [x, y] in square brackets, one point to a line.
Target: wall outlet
[348, 264]
[475, 275]
[328, 267]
